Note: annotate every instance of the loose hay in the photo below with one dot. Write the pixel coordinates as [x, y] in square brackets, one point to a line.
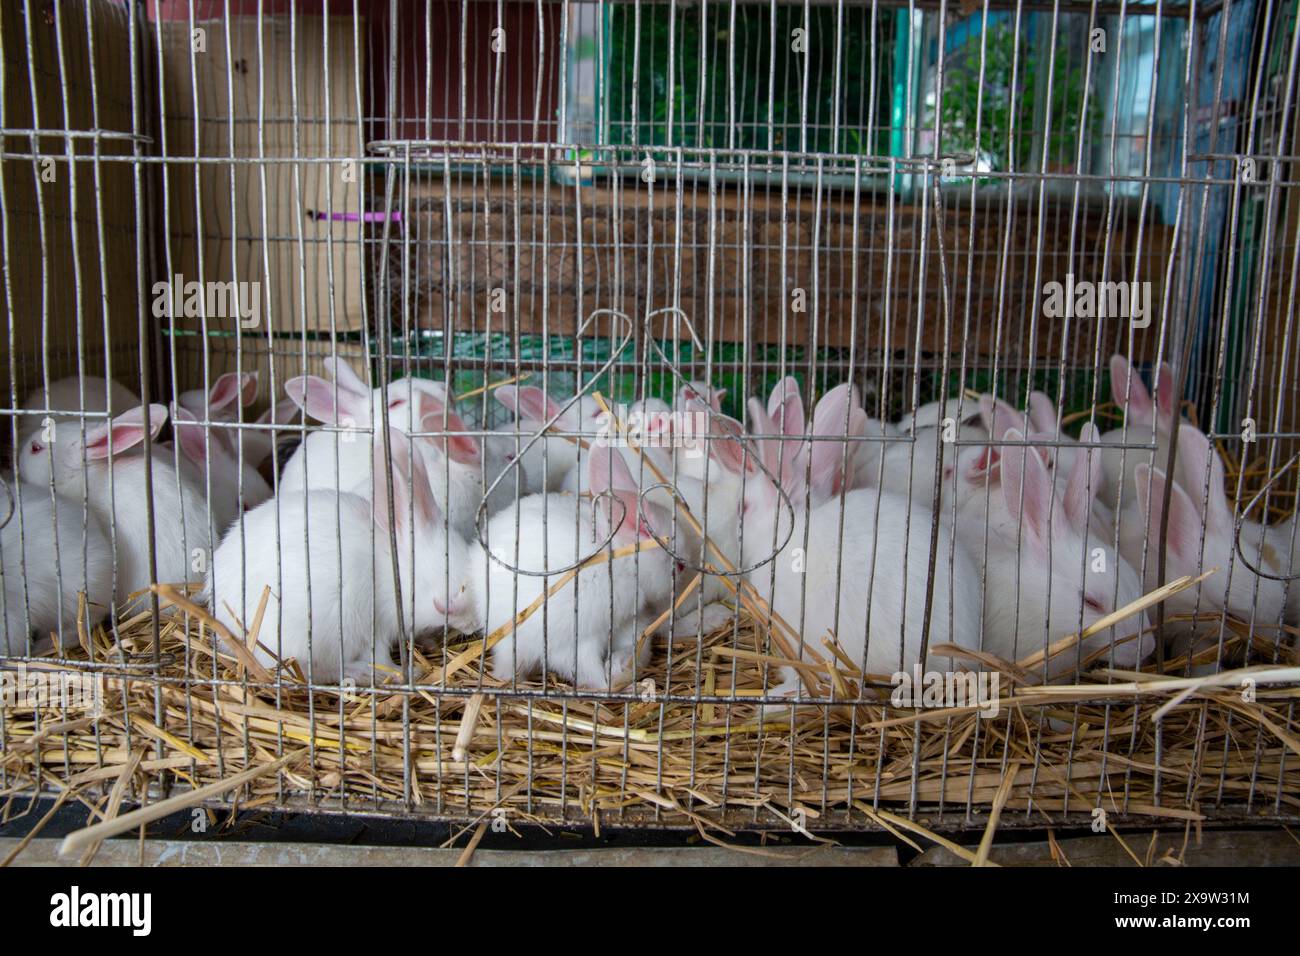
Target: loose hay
[691, 744]
[719, 760]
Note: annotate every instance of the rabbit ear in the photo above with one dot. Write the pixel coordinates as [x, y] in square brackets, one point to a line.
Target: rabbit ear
[999, 417]
[1198, 461]
[123, 432]
[279, 413]
[531, 403]
[344, 377]
[704, 392]
[449, 437]
[317, 397]
[1166, 400]
[189, 434]
[785, 389]
[231, 387]
[724, 437]
[1027, 490]
[608, 478]
[1042, 413]
[1084, 481]
[837, 414]
[761, 424]
[1128, 391]
[789, 416]
[1184, 522]
[411, 489]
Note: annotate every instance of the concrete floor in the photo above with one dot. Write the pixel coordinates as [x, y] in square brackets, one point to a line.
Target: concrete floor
[1216, 848]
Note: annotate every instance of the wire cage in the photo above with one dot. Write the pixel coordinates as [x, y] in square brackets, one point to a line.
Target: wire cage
[822, 416]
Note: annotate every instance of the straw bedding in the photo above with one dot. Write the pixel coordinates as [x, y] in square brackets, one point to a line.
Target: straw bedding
[691, 748]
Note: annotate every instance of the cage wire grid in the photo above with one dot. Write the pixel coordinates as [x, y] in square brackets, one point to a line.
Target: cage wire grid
[623, 198]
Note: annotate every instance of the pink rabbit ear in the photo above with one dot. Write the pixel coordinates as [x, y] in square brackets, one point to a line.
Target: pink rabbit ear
[534, 405]
[789, 416]
[1184, 522]
[317, 398]
[508, 397]
[723, 437]
[233, 387]
[999, 417]
[1042, 413]
[836, 415]
[1200, 472]
[341, 372]
[609, 478]
[761, 424]
[1129, 393]
[412, 493]
[787, 388]
[1027, 491]
[1166, 399]
[1084, 482]
[124, 432]
[448, 435]
[189, 434]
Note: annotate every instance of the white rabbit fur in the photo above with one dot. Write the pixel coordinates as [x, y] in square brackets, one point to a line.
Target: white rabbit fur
[66, 394]
[885, 541]
[212, 467]
[1201, 536]
[453, 461]
[180, 519]
[551, 464]
[30, 543]
[615, 600]
[1147, 421]
[1048, 573]
[347, 627]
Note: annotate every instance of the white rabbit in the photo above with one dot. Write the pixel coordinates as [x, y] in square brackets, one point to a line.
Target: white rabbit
[341, 460]
[1201, 536]
[593, 645]
[40, 533]
[1146, 421]
[458, 465]
[909, 467]
[1048, 575]
[66, 395]
[860, 573]
[1045, 420]
[180, 521]
[259, 442]
[212, 465]
[332, 603]
[961, 410]
[552, 462]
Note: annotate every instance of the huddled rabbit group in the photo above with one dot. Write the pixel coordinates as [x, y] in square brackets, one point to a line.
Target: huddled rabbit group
[825, 518]
[79, 513]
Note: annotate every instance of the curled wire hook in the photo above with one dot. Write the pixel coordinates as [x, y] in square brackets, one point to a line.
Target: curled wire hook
[1241, 520]
[480, 514]
[674, 492]
[742, 439]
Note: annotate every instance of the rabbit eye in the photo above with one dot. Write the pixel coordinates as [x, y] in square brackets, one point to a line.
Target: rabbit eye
[37, 448]
[1094, 605]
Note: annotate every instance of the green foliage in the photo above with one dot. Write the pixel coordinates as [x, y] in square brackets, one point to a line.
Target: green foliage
[962, 108]
[700, 119]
